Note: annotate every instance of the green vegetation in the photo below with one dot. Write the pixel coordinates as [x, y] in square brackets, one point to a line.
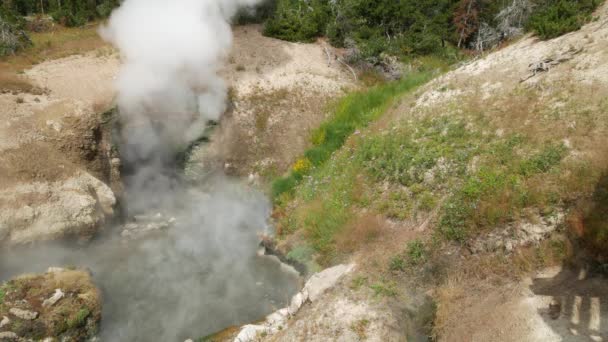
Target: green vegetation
[421, 27]
[498, 191]
[2, 294]
[556, 17]
[79, 319]
[295, 20]
[351, 113]
[384, 288]
[65, 12]
[13, 36]
[457, 167]
[416, 252]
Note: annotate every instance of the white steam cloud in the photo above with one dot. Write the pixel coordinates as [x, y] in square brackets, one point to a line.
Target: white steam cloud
[169, 86]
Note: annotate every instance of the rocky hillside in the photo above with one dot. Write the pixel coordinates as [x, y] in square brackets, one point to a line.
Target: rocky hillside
[463, 189]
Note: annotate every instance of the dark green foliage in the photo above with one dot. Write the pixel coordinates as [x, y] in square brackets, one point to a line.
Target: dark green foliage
[65, 12]
[556, 17]
[298, 20]
[256, 14]
[12, 35]
[418, 27]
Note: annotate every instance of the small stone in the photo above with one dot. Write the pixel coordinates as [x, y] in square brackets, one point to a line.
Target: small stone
[55, 270]
[54, 298]
[249, 333]
[8, 336]
[23, 314]
[189, 340]
[296, 303]
[5, 321]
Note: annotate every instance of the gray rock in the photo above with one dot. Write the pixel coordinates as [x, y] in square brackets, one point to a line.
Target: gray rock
[320, 282]
[76, 206]
[54, 298]
[8, 336]
[250, 333]
[297, 301]
[23, 314]
[5, 321]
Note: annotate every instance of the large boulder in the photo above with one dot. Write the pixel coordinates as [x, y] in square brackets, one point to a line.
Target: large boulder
[39, 211]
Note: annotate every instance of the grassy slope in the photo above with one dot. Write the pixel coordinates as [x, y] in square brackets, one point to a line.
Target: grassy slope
[468, 167]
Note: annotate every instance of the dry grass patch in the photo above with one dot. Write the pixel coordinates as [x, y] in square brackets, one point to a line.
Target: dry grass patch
[57, 43]
[16, 84]
[359, 232]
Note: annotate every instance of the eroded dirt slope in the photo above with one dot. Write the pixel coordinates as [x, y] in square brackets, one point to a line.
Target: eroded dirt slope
[55, 151]
[280, 91]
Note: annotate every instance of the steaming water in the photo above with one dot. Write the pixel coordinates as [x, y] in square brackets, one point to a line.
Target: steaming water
[197, 278]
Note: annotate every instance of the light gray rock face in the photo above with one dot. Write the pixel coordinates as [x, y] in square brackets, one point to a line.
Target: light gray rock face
[41, 211]
[5, 320]
[250, 333]
[23, 314]
[320, 282]
[278, 320]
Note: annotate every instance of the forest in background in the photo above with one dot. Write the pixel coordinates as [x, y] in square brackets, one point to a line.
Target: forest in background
[371, 28]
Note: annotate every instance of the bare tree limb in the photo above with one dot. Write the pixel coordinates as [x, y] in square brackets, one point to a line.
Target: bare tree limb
[349, 68]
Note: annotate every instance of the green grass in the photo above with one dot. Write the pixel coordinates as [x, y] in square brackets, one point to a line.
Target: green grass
[2, 294]
[416, 252]
[557, 17]
[499, 190]
[79, 319]
[384, 288]
[353, 112]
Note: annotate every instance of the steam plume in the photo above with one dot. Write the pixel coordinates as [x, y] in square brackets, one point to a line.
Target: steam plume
[168, 87]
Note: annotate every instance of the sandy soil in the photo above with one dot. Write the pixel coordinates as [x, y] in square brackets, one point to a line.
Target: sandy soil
[554, 305]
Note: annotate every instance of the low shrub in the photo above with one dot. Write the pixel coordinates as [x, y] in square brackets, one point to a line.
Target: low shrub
[554, 18]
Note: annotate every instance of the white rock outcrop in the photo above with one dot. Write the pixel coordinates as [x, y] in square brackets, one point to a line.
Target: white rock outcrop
[23, 314]
[313, 289]
[46, 211]
[8, 336]
[5, 320]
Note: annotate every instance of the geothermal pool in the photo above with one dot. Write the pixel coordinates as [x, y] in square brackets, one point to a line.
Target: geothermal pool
[197, 278]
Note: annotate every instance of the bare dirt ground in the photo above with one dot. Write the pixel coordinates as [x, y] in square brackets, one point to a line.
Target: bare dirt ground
[280, 91]
[556, 304]
[55, 153]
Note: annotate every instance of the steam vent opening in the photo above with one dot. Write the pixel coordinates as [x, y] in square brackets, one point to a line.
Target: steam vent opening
[183, 261]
